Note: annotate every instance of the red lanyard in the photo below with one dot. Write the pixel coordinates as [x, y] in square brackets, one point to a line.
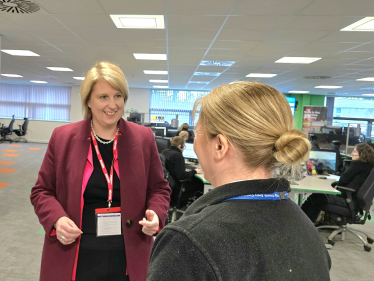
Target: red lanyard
[109, 178]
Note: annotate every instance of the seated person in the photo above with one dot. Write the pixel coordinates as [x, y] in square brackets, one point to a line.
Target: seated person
[353, 177]
[184, 135]
[184, 128]
[177, 168]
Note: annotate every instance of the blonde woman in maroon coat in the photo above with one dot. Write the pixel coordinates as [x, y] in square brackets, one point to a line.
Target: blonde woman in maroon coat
[100, 193]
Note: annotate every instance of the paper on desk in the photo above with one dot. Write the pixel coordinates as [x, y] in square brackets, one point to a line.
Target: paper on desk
[333, 177]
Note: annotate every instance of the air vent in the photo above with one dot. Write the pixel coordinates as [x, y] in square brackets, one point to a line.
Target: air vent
[317, 77]
[367, 89]
[18, 6]
[47, 77]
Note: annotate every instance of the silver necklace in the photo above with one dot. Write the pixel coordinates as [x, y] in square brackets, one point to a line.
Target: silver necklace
[96, 137]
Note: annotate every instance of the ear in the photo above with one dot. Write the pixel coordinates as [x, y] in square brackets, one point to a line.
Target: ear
[221, 147]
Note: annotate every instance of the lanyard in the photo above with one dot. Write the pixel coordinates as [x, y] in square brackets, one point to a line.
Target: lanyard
[109, 178]
[266, 196]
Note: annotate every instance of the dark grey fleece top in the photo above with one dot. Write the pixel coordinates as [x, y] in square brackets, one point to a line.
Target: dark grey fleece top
[240, 239]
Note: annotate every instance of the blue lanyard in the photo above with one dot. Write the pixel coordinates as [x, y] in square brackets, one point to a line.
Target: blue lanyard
[265, 196]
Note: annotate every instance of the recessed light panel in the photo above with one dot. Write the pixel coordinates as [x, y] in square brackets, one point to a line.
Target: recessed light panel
[217, 63]
[22, 53]
[11, 75]
[161, 87]
[139, 21]
[368, 95]
[199, 82]
[366, 24]
[39, 82]
[207, 73]
[79, 78]
[139, 56]
[158, 81]
[261, 75]
[328, 87]
[156, 72]
[368, 79]
[298, 92]
[59, 69]
[301, 60]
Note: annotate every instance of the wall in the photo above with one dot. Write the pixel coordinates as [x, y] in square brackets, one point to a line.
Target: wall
[302, 100]
[41, 131]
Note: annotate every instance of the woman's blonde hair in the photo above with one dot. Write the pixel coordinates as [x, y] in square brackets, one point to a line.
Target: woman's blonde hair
[184, 126]
[102, 71]
[256, 119]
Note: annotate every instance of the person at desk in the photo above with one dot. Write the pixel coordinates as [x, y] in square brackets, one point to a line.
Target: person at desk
[246, 228]
[184, 128]
[100, 193]
[176, 166]
[184, 135]
[353, 177]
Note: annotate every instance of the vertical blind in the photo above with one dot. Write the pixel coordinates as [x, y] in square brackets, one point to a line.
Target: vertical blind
[35, 102]
[170, 103]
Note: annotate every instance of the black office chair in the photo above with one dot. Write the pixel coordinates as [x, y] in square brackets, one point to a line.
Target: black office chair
[5, 131]
[314, 142]
[22, 130]
[339, 161]
[357, 212]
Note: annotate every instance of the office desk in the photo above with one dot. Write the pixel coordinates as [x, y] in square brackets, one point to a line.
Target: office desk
[309, 184]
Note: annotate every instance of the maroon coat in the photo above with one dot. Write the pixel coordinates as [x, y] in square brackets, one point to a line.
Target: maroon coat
[57, 193]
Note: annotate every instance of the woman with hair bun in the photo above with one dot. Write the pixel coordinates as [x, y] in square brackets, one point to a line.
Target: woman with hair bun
[246, 228]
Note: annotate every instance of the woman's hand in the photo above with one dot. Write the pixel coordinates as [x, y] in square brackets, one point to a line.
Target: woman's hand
[66, 230]
[150, 223]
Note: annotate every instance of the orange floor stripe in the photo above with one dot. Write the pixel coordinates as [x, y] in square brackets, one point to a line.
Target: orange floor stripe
[5, 163]
[7, 171]
[3, 184]
[34, 148]
[10, 150]
[15, 145]
[11, 155]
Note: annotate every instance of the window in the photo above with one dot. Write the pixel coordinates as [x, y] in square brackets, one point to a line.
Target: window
[35, 102]
[170, 103]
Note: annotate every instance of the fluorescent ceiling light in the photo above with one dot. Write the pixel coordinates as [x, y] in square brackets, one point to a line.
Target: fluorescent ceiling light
[261, 75]
[198, 82]
[303, 60]
[11, 75]
[150, 56]
[157, 72]
[207, 73]
[139, 21]
[366, 24]
[328, 87]
[217, 63]
[162, 87]
[23, 53]
[298, 92]
[59, 68]
[370, 79]
[79, 78]
[368, 95]
[40, 82]
[158, 81]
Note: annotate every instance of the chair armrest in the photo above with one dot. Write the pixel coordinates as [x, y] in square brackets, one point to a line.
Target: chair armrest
[346, 189]
[184, 180]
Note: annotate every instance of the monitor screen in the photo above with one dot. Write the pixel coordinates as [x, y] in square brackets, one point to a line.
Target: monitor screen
[188, 152]
[326, 157]
[292, 102]
[157, 119]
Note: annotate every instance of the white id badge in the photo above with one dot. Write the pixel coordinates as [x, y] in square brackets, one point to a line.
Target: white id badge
[108, 223]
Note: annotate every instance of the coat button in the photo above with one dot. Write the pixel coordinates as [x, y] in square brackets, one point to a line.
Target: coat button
[129, 223]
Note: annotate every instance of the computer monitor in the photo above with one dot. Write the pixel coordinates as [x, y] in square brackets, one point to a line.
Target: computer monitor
[292, 102]
[188, 152]
[158, 132]
[135, 117]
[157, 119]
[171, 132]
[162, 144]
[327, 157]
[332, 130]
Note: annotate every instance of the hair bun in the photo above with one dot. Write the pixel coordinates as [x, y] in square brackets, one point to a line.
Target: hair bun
[292, 147]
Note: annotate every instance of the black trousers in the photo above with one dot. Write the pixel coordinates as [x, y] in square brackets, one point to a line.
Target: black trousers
[312, 206]
[101, 265]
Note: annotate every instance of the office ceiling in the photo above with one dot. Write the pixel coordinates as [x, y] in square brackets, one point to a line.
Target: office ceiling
[253, 33]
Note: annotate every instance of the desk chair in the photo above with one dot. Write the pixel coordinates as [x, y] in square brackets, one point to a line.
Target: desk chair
[22, 130]
[357, 212]
[5, 131]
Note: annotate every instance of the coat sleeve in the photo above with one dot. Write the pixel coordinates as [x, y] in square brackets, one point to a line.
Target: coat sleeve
[43, 194]
[158, 190]
[352, 171]
[180, 168]
[175, 257]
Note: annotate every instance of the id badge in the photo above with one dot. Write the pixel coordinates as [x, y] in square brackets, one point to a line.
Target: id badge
[108, 223]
